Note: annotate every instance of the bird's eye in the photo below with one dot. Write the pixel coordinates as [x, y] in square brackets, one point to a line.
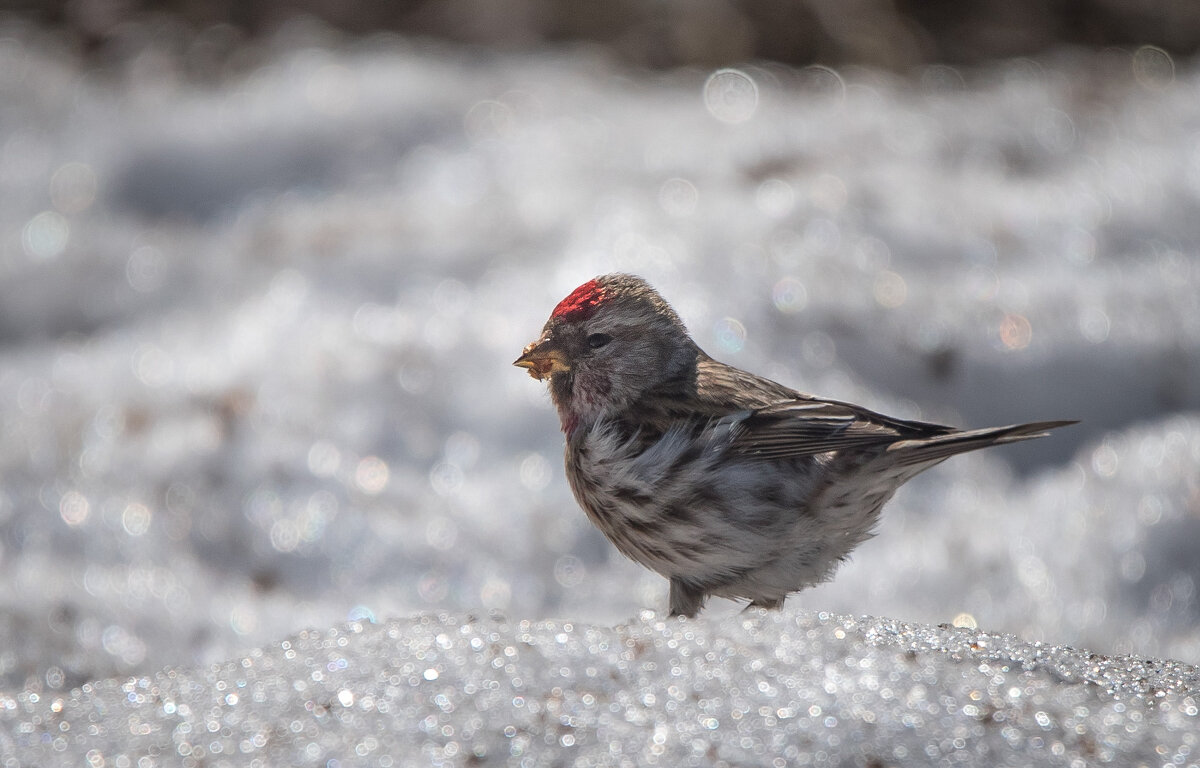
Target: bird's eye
[597, 340]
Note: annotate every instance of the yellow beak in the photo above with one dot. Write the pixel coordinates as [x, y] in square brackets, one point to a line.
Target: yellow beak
[541, 360]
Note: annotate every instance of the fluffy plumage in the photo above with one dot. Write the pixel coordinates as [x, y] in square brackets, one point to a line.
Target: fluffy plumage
[724, 482]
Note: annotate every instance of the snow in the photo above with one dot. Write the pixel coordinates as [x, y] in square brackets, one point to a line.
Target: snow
[766, 689]
[256, 328]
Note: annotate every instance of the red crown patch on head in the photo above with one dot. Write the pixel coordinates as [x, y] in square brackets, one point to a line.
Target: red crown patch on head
[581, 303]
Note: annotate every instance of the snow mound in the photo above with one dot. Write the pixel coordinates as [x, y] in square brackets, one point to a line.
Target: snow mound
[757, 689]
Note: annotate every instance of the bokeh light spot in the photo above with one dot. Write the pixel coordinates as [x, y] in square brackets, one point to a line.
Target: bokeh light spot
[890, 290]
[324, 458]
[818, 350]
[243, 619]
[942, 78]
[1015, 332]
[432, 588]
[1079, 246]
[496, 593]
[1153, 67]
[821, 81]
[1055, 131]
[569, 571]
[136, 519]
[146, 269]
[789, 295]
[55, 678]
[74, 508]
[446, 478]
[152, 366]
[321, 509]
[371, 476]
[1150, 506]
[535, 472]
[45, 235]
[775, 197]
[286, 291]
[871, 254]
[73, 188]
[1094, 325]
[285, 536]
[381, 324]
[678, 197]
[730, 334]
[123, 644]
[982, 283]
[1105, 460]
[1132, 566]
[731, 96]
[489, 119]
[441, 533]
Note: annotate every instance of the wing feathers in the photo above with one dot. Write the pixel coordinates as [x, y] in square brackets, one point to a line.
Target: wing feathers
[808, 428]
[767, 420]
[935, 449]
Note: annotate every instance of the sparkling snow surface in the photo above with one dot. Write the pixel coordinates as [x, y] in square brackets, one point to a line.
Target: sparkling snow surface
[256, 330]
[765, 689]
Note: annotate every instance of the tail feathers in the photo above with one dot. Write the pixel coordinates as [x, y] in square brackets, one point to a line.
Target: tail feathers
[931, 450]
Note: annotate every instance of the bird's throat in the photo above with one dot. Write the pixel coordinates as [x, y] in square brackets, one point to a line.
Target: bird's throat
[580, 399]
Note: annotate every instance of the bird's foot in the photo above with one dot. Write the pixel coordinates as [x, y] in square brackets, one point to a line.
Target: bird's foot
[684, 599]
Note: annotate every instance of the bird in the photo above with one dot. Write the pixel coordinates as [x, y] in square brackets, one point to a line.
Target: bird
[726, 483]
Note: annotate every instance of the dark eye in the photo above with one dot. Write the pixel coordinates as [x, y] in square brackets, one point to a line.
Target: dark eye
[597, 340]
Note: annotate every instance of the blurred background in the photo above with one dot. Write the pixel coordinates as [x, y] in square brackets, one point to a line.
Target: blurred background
[264, 268]
[895, 34]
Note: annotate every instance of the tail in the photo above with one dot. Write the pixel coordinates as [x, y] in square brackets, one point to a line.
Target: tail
[928, 451]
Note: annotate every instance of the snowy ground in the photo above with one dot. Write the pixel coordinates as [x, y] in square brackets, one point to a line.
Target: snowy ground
[763, 690]
[256, 334]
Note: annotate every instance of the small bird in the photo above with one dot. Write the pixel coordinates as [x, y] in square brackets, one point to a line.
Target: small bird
[724, 482]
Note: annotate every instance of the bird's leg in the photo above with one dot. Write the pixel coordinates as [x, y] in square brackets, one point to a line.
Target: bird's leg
[684, 599]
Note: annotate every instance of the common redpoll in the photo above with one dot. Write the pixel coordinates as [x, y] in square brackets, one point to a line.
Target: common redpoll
[724, 482]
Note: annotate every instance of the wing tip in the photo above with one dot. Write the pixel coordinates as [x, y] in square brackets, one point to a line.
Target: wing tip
[944, 446]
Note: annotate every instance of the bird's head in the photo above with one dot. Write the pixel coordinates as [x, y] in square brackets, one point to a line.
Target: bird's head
[609, 342]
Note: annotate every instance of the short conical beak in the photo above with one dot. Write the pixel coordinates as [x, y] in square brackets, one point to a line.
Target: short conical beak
[541, 359]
